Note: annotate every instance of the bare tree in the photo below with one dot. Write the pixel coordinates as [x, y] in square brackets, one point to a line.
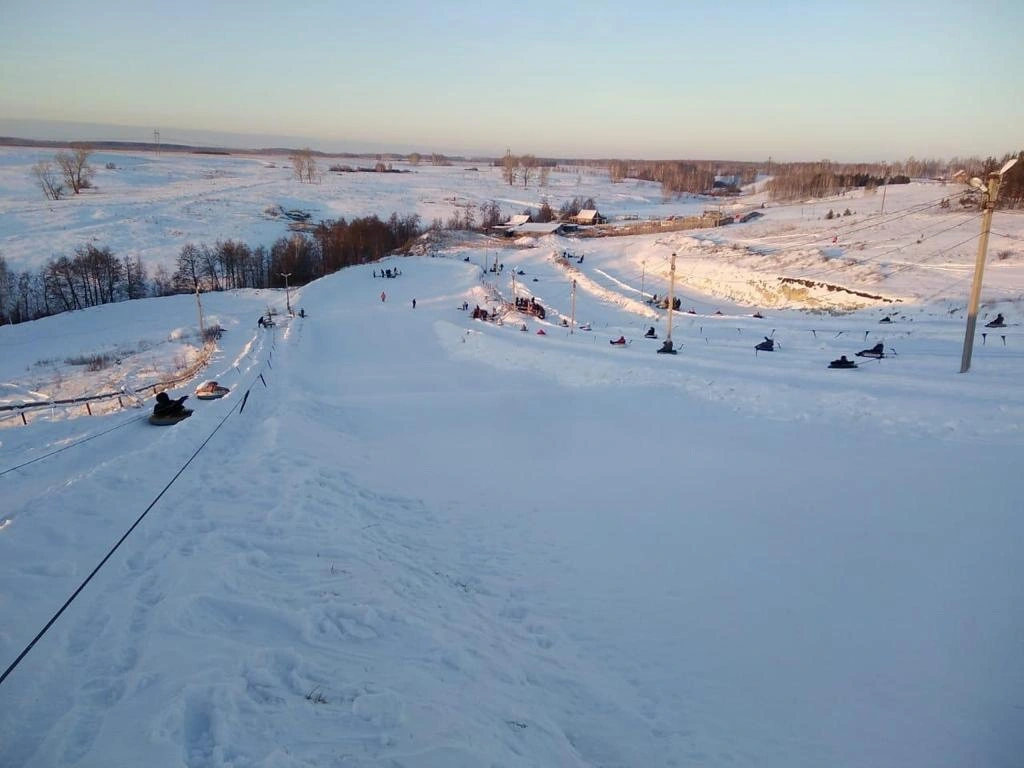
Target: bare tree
[47, 179]
[74, 167]
[7, 288]
[490, 214]
[617, 170]
[545, 172]
[509, 166]
[528, 164]
[414, 158]
[189, 268]
[303, 163]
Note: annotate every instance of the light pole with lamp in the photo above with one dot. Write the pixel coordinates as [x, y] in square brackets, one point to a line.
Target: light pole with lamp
[989, 192]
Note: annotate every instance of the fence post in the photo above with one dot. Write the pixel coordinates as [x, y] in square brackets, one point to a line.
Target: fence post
[87, 408]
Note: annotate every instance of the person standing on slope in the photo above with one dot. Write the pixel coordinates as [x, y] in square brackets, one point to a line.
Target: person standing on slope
[383, 297]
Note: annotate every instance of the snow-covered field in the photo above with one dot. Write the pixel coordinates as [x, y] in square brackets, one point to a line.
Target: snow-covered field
[434, 541]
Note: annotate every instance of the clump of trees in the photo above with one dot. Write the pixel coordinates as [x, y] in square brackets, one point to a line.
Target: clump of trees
[95, 275]
[572, 207]
[90, 277]
[525, 167]
[798, 181]
[72, 168]
[1011, 188]
[305, 166]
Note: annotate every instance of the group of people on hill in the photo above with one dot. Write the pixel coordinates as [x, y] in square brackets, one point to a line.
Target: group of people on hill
[530, 305]
[390, 272]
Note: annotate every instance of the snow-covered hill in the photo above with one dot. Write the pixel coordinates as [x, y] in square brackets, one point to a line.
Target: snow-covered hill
[428, 540]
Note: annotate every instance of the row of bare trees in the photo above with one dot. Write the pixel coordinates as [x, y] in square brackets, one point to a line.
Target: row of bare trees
[798, 181]
[525, 168]
[68, 169]
[90, 277]
[95, 275]
[679, 177]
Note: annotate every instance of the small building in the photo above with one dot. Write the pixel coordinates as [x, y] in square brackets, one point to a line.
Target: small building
[519, 219]
[589, 216]
[537, 230]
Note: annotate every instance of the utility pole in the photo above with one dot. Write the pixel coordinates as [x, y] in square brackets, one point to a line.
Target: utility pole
[885, 186]
[988, 204]
[671, 300]
[199, 307]
[156, 139]
[287, 297]
[572, 322]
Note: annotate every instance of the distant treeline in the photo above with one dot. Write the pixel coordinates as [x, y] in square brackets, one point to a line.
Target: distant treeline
[676, 177]
[799, 181]
[95, 275]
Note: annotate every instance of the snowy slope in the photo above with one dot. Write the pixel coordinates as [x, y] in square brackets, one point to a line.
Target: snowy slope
[433, 541]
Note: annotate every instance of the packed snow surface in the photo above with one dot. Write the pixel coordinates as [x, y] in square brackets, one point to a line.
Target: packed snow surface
[429, 540]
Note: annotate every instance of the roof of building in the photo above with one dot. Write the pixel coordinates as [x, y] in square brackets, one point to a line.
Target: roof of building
[537, 229]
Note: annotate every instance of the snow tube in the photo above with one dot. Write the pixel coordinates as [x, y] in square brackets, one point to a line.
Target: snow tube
[166, 421]
[842, 364]
[212, 394]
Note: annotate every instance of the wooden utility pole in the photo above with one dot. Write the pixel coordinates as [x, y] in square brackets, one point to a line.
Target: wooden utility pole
[885, 186]
[671, 295]
[199, 307]
[988, 204]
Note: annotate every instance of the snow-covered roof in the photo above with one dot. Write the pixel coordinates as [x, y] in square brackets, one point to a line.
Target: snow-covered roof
[519, 218]
[539, 229]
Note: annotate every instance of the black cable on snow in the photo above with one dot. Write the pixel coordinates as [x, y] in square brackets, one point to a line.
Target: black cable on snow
[113, 549]
[71, 445]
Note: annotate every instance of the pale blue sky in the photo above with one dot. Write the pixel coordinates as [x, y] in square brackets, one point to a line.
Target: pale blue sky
[795, 80]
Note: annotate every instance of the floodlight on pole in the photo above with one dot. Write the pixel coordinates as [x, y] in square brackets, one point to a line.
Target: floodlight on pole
[287, 298]
[990, 193]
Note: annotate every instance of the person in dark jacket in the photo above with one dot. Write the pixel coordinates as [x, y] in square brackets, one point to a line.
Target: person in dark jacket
[167, 408]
